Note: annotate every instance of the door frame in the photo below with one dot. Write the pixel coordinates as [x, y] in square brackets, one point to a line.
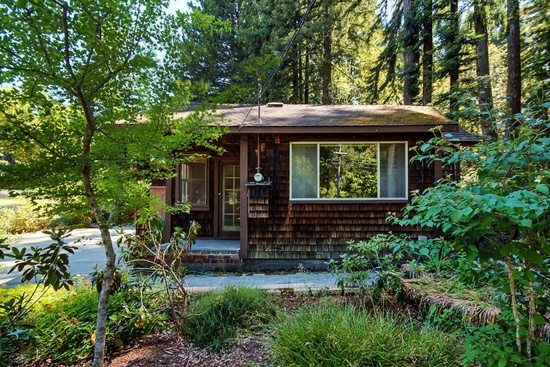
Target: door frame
[218, 166]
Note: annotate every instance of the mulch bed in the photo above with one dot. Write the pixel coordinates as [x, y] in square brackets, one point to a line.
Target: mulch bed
[168, 349]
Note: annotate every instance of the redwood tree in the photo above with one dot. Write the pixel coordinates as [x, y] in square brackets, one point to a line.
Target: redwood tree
[411, 51]
[513, 90]
[427, 52]
[482, 70]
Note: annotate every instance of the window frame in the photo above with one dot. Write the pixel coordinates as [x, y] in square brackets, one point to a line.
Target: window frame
[194, 206]
[318, 199]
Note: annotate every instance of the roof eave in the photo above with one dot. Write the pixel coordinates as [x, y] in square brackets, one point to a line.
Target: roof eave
[248, 129]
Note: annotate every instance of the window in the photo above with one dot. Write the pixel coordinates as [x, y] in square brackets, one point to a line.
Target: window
[348, 170]
[194, 183]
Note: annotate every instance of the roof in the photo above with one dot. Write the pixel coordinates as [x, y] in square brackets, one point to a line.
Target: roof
[328, 115]
[301, 118]
[461, 136]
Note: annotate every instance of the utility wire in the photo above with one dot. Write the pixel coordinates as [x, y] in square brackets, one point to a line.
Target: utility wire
[263, 89]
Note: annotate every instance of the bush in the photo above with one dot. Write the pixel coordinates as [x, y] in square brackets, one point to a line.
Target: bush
[215, 318]
[64, 331]
[337, 335]
[22, 218]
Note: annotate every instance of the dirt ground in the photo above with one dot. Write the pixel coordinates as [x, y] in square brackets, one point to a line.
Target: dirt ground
[167, 349]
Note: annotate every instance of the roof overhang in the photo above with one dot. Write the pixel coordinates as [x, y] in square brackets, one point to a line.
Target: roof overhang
[348, 129]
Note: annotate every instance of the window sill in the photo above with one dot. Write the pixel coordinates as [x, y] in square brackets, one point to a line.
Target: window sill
[200, 208]
[348, 201]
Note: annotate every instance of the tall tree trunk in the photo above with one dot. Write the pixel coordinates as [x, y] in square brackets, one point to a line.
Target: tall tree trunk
[427, 53]
[306, 76]
[296, 76]
[326, 73]
[300, 76]
[514, 65]
[482, 71]
[411, 53]
[110, 267]
[454, 53]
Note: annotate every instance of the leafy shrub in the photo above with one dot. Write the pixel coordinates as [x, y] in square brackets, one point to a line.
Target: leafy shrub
[493, 345]
[215, 318]
[337, 335]
[22, 218]
[64, 332]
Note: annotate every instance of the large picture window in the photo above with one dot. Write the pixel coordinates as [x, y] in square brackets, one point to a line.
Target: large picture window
[376, 170]
[194, 183]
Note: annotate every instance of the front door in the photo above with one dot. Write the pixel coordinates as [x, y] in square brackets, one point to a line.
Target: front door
[230, 214]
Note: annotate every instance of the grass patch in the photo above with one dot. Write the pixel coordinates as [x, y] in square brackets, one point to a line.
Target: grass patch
[337, 335]
[215, 318]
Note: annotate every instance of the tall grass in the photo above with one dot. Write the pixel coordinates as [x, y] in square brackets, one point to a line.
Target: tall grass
[337, 335]
[215, 318]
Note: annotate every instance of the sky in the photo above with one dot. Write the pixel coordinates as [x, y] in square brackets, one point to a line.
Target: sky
[176, 5]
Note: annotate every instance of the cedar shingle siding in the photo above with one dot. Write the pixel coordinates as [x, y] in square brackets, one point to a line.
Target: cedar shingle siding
[318, 230]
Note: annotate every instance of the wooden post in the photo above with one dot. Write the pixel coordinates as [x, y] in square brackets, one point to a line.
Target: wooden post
[243, 165]
[438, 171]
[167, 215]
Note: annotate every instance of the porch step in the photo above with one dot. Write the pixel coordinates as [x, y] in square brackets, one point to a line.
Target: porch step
[208, 257]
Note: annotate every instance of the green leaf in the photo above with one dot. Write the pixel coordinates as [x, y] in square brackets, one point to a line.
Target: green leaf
[502, 362]
[526, 223]
[456, 216]
[543, 189]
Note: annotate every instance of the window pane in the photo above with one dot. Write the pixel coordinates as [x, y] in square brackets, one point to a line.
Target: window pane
[348, 171]
[392, 170]
[195, 192]
[196, 170]
[193, 183]
[304, 171]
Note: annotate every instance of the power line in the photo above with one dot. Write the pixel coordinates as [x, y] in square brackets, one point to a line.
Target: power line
[263, 89]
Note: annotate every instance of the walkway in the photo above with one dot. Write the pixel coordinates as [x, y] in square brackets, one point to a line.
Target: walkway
[90, 253]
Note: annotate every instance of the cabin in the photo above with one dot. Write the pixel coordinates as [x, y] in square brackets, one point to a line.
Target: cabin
[296, 182]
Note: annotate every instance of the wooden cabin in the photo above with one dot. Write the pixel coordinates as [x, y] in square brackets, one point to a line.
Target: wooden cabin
[297, 183]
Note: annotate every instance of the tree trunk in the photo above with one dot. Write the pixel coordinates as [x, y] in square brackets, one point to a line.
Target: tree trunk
[306, 76]
[514, 65]
[411, 54]
[513, 300]
[454, 54]
[110, 267]
[296, 76]
[300, 75]
[327, 69]
[427, 53]
[482, 71]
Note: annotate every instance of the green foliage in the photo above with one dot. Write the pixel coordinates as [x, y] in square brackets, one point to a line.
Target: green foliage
[499, 215]
[215, 318]
[493, 346]
[22, 218]
[370, 263]
[61, 326]
[336, 335]
[48, 265]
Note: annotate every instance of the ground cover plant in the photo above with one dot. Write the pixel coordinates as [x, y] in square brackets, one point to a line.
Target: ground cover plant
[60, 326]
[337, 335]
[215, 318]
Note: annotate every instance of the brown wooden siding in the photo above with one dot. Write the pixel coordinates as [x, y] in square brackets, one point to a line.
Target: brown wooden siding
[318, 230]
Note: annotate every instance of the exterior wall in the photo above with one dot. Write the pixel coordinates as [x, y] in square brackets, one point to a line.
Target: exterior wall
[206, 218]
[316, 230]
[277, 229]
